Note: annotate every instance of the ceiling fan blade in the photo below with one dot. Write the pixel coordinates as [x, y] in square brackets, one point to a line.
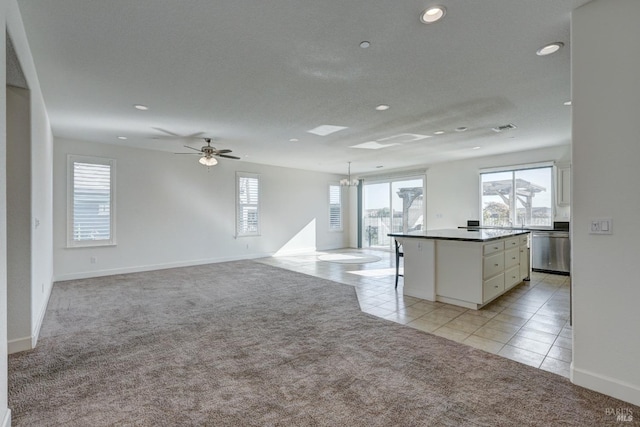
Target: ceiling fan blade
[226, 156]
[225, 151]
[197, 135]
[191, 148]
[166, 131]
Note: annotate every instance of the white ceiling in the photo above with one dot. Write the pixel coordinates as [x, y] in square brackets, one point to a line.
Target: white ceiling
[253, 75]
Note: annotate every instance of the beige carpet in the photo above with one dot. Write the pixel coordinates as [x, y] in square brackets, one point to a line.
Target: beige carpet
[245, 344]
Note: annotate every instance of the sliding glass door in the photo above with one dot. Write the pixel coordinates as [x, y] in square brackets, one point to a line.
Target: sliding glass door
[393, 205]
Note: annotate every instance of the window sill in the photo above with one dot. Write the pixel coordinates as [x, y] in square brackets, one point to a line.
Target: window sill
[91, 245]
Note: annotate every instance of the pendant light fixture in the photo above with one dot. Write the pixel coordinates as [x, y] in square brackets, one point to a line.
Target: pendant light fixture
[348, 182]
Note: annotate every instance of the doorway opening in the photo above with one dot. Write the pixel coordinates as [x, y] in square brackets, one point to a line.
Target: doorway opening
[391, 206]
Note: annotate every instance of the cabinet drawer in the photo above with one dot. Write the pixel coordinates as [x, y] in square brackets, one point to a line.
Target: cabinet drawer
[492, 287]
[512, 277]
[511, 257]
[492, 265]
[489, 248]
[524, 239]
[512, 242]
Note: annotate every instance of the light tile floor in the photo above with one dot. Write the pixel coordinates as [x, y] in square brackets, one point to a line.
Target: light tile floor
[529, 324]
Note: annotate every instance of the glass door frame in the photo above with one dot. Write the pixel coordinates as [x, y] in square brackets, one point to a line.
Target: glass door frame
[390, 180]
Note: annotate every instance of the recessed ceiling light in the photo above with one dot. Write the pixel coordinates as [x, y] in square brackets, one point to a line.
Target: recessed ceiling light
[461, 129]
[365, 44]
[122, 137]
[438, 132]
[549, 49]
[294, 140]
[433, 14]
[475, 148]
[141, 107]
[325, 130]
[382, 107]
[567, 103]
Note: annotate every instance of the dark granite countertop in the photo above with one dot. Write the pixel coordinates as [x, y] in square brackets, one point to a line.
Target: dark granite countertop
[557, 226]
[515, 228]
[462, 234]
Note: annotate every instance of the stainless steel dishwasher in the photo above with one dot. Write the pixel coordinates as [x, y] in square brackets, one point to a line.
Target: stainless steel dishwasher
[551, 252]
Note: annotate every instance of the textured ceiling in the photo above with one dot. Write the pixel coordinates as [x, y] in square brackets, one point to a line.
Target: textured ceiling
[253, 75]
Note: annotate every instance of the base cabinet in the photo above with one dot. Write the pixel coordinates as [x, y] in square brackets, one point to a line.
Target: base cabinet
[472, 274]
[493, 287]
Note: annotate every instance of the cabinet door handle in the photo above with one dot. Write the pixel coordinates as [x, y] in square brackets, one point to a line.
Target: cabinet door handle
[496, 286]
[496, 265]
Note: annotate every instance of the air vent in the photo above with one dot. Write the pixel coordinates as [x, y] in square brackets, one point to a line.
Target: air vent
[504, 127]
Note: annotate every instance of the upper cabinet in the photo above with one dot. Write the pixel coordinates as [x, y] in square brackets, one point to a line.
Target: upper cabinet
[563, 185]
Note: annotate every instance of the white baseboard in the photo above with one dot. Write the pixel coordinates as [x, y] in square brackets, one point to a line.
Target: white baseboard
[19, 344]
[606, 385]
[151, 267]
[6, 420]
[35, 333]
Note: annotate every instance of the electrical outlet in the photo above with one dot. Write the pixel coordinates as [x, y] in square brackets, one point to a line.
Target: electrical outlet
[94, 260]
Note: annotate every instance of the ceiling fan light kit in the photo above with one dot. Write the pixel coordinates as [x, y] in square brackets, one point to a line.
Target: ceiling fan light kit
[208, 161]
[208, 153]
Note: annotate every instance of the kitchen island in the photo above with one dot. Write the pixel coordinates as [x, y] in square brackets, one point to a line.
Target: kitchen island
[465, 267]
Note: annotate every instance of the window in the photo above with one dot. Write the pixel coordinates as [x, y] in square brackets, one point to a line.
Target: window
[247, 204]
[517, 197]
[391, 205]
[335, 207]
[91, 207]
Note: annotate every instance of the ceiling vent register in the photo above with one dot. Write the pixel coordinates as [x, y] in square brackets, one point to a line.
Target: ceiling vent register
[504, 127]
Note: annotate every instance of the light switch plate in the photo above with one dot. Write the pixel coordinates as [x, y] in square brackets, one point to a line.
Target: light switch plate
[601, 226]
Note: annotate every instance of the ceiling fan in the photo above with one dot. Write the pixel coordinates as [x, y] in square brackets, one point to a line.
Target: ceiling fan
[208, 153]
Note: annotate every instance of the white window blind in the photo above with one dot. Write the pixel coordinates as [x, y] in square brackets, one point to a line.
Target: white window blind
[248, 205]
[335, 207]
[91, 201]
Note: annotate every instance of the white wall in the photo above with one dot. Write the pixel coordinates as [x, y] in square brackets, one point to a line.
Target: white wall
[5, 414]
[606, 151]
[18, 219]
[41, 209]
[36, 196]
[453, 189]
[172, 211]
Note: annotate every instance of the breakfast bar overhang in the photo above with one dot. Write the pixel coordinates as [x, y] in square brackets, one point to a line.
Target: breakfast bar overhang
[464, 267]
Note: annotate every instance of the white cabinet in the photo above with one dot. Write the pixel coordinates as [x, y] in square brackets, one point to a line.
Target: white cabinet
[525, 257]
[511, 257]
[472, 274]
[563, 185]
[493, 287]
[492, 265]
[512, 277]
